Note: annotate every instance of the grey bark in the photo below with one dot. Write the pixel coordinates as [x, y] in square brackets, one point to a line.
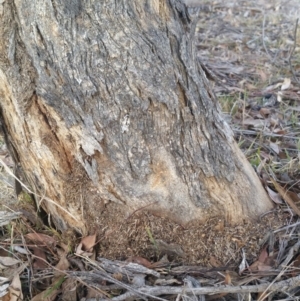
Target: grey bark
[107, 97]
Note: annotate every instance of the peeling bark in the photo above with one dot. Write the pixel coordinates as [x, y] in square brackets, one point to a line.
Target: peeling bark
[104, 101]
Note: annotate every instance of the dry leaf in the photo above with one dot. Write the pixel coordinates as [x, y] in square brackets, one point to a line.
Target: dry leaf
[5, 253]
[265, 111]
[62, 265]
[161, 263]
[65, 247]
[280, 131]
[294, 196]
[263, 254]
[227, 278]
[279, 96]
[286, 84]
[80, 251]
[275, 147]
[15, 289]
[275, 197]
[21, 250]
[263, 262]
[46, 295]
[259, 266]
[286, 197]
[40, 259]
[282, 155]
[140, 260]
[42, 238]
[8, 261]
[88, 242]
[243, 265]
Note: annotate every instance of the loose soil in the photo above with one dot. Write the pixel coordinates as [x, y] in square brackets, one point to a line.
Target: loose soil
[210, 244]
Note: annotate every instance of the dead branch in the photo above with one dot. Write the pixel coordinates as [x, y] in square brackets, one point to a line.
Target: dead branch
[171, 290]
[127, 268]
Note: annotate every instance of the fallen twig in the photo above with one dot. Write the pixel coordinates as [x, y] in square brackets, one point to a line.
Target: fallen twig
[292, 52]
[171, 290]
[286, 227]
[249, 132]
[127, 268]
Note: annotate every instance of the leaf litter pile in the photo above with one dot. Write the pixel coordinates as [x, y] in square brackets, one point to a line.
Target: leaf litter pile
[250, 53]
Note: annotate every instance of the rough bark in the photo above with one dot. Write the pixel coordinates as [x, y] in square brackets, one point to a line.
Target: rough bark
[104, 101]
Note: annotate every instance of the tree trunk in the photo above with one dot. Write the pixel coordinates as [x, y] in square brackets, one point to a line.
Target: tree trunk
[105, 104]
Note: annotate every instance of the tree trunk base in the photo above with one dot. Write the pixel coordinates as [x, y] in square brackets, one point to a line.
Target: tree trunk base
[105, 105]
